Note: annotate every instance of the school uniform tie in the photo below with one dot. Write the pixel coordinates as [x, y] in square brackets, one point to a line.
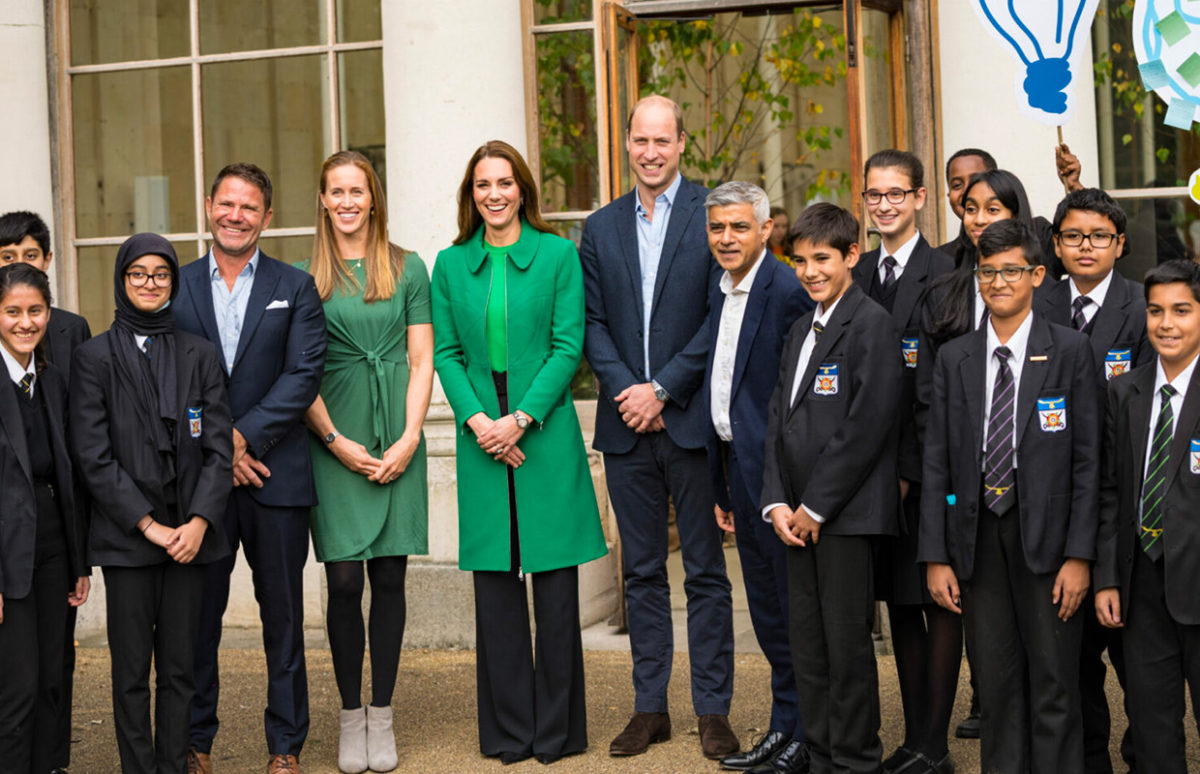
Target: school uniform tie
[146, 346]
[1155, 485]
[26, 385]
[1077, 317]
[889, 272]
[818, 329]
[998, 477]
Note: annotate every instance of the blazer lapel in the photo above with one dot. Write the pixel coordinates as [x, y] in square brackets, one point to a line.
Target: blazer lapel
[682, 211]
[265, 279]
[864, 271]
[1057, 305]
[1107, 322]
[200, 294]
[10, 418]
[1140, 404]
[833, 331]
[1033, 374]
[972, 369]
[627, 234]
[755, 305]
[912, 281]
[1184, 427]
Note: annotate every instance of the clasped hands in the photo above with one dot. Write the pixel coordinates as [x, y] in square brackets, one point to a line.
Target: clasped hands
[181, 543]
[395, 460]
[640, 410]
[498, 437]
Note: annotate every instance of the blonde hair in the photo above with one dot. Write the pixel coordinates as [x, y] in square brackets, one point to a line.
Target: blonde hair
[383, 261]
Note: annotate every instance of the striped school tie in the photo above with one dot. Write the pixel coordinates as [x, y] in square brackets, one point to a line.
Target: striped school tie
[889, 272]
[1077, 317]
[998, 477]
[26, 385]
[818, 329]
[1155, 485]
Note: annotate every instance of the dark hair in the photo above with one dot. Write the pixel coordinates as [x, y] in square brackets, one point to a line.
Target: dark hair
[15, 274]
[906, 162]
[1007, 235]
[1175, 270]
[989, 163]
[1090, 200]
[469, 219]
[1008, 190]
[825, 224]
[15, 226]
[776, 211]
[251, 174]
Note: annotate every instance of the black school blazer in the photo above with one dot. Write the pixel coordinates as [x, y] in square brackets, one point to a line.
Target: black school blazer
[119, 464]
[18, 507]
[1057, 469]
[1126, 430]
[835, 449]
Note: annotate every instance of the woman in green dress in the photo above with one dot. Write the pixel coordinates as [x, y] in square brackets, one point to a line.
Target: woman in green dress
[368, 449]
[508, 314]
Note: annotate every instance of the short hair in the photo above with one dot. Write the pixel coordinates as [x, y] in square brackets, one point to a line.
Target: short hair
[1090, 200]
[248, 172]
[1168, 272]
[826, 224]
[906, 162]
[739, 192]
[1007, 235]
[989, 163]
[15, 226]
[776, 211]
[678, 111]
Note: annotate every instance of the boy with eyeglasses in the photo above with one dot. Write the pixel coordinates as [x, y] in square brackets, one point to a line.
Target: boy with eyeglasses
[1008, 507]
[1089, 237]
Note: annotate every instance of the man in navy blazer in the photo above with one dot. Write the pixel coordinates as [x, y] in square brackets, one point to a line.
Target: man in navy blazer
[647, 276]
[266, 319]
[750, 312]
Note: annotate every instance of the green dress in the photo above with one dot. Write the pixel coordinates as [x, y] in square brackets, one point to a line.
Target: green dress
[365, 387]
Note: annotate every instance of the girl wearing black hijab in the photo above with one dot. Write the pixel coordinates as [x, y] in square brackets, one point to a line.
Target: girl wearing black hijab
[42, 569]
[152, 435]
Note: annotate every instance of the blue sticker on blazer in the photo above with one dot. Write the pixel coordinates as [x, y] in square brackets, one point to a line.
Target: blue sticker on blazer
[826, 382]
[1117, 362]
[1194, 455]
[195, 416]
[908, 348]
[1052, 413]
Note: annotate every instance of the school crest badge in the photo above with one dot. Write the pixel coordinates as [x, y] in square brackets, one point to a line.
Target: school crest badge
[195, 418]
[908, 348]
[1117, 362]
[827, 379]
[1052, 413]
[1194, 455]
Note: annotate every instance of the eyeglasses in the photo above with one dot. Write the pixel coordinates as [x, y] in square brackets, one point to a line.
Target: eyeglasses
[987, 274]
[161, 279]
[894, 196]
[1097, 239]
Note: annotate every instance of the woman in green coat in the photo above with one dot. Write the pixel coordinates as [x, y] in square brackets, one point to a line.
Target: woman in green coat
[508, 330]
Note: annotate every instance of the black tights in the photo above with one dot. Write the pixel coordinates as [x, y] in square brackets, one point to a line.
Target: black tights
[928, 643]
[344, 621]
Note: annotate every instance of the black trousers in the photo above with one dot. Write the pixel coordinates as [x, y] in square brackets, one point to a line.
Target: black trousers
[1093, 692]
[831, 609]
[31, 650]
[1027, 660]
[1160, 656]
[153, 613]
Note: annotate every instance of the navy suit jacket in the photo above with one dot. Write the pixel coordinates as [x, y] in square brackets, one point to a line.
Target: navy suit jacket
[679, 339]
[777, 299]
[65, 332]
[276, 372]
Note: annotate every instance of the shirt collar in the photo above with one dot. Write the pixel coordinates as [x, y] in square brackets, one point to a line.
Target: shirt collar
[668, 194]
[822, 315]
[747, 282]
[247, 271]
[1017, 343]
[1180, 382]
[16, 371]
[903, 253]
[1097, 294]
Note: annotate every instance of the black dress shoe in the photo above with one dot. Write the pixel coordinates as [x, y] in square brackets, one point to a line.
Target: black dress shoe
[923, 764]
[899, 759]
[766, 749]
[792, 760]
[969, 728]
[509, 758]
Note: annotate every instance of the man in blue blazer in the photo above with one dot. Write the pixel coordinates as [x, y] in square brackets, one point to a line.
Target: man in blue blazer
[266, 319]
[647, 277]
[749, 315]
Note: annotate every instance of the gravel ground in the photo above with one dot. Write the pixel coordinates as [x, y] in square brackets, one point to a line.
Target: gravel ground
[435, 716]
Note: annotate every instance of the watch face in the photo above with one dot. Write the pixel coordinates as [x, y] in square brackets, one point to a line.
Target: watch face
[331, 438]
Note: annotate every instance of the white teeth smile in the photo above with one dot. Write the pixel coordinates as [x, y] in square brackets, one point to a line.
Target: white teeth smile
[496, 207]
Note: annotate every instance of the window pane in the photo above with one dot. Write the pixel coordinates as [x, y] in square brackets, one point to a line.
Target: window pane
[566, 80]
[552, 11]
[361, 87]
[287, 249]
[127, 30]
[877, 81]
[133, 152]
[358, 20]
[1158, 230]
[249, 25]
[270, 112]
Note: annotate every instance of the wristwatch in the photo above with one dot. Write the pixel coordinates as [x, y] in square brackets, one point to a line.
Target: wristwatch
[659, 392]
[522, 421]
[331, 437]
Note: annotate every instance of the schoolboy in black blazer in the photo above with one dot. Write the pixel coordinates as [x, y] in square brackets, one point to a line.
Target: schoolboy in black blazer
[830, 487]
[1146, 569]
[1008, 507]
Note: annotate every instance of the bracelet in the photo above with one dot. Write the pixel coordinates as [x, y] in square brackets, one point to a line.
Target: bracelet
[148, 525]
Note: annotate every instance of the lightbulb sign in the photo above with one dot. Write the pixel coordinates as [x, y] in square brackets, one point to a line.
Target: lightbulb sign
[1167, 45]
[1047, 39]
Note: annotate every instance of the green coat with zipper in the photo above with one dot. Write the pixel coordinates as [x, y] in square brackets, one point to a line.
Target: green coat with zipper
[558, 522]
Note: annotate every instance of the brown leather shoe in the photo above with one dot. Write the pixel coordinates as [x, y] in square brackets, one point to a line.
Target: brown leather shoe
[198, 762]
[716, 737]
[283, 764]
[643, 729]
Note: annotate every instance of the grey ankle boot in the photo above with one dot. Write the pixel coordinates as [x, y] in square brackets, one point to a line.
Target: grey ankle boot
[381, 741]
[352, 745]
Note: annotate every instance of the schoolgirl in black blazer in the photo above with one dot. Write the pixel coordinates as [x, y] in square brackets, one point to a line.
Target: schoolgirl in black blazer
[151, 432]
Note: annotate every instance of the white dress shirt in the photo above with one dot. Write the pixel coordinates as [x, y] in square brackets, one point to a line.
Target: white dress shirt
[733, 311]
[17, 372]
[1096, 296]
[1018, 343]
[901, 256]
[1180, 383]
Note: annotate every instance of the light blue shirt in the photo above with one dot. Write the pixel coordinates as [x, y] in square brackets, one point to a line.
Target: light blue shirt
[650, 236]
[229, 306]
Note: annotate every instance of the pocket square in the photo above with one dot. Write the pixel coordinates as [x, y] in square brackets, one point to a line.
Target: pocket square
[278, 304]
